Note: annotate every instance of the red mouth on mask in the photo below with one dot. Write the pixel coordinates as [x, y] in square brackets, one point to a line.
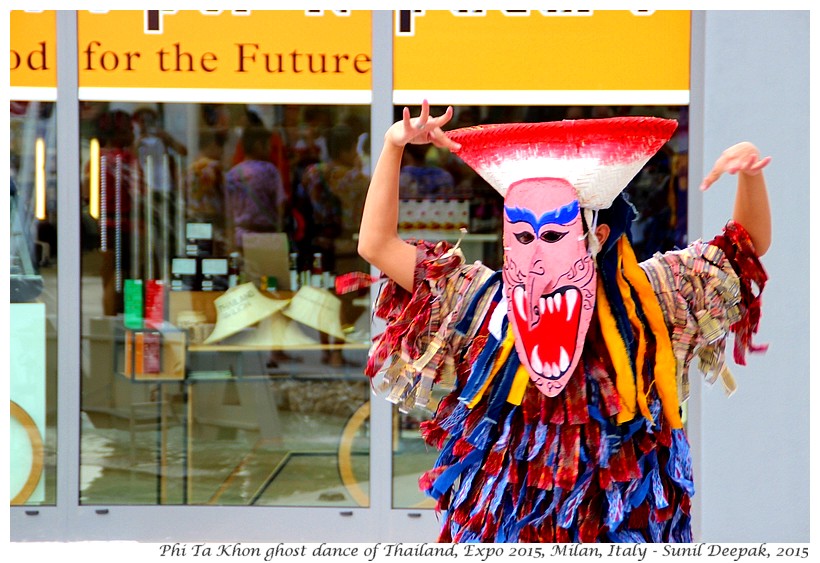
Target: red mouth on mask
[548, 329]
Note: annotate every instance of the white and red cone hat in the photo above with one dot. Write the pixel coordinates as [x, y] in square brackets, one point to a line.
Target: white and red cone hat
[598, 157]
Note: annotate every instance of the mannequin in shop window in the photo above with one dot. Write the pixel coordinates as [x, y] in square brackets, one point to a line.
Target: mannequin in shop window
[570, 364]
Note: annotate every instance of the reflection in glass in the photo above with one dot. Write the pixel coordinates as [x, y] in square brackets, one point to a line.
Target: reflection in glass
[208, 376]
[33, 308]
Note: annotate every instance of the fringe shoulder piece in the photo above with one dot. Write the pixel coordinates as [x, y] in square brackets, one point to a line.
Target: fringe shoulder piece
[706, 292]
[416, 349]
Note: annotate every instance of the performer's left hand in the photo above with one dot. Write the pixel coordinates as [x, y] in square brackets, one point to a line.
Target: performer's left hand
[743, 158]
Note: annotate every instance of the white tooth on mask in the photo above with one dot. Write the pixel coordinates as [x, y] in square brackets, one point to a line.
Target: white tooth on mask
[550, 304]
[518, 299]
[555, 371]
[535, 361]
[563, 359]
[542, 305]
[572, 299]
[557, 301]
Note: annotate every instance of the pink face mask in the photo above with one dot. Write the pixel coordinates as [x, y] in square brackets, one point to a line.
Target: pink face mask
[549, 279]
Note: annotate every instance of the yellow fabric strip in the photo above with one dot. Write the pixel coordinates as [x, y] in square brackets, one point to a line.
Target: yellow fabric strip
[500, 358]
[665, 365]
[636, 323]
[519, 386]
[624, 378]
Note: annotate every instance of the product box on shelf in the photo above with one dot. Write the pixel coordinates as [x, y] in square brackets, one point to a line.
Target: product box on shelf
[199, 239]
[151, 354]
[133, 300]
[184, 274]
[214, 274]
[154, 303]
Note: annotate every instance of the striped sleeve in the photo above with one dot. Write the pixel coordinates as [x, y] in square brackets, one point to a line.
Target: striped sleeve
[708, 291]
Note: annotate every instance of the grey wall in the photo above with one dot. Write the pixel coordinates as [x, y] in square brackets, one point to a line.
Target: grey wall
[750, 81]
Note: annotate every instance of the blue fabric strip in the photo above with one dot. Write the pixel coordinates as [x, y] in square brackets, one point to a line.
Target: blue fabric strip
[536, 516]
[679, 466]
[615, 513]
[466, 485]
[445, 456]
[453, 424]
[480, 436]
[463, 325]
[655, 529]
[448, 477]
[540, 439]
[502, 386]
[636, 498]
[480, 370]
[568, 510]
[521, 450]
[658, 495]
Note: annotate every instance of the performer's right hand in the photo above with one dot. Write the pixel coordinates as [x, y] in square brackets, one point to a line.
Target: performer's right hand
[422, 129]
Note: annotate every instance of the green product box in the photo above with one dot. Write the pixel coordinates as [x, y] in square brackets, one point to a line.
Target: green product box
[133, 300]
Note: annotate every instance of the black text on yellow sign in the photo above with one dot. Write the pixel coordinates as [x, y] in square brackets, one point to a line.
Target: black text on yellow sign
[34, 59]
[247, 57]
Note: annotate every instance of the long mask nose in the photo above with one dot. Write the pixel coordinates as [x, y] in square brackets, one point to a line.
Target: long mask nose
[549, 277]
[540, 283]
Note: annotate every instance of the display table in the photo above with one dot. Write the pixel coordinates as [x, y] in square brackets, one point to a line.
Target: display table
[258, 399]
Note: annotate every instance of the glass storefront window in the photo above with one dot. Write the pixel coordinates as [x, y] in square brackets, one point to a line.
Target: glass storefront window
[436, 185]
[220, 367]
[33, 308]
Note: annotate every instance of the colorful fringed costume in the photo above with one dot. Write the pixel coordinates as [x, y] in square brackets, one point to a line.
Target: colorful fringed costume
[602, 458]
[516, 465]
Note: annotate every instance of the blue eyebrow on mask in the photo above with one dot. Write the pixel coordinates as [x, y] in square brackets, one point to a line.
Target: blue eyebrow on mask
[561, 216]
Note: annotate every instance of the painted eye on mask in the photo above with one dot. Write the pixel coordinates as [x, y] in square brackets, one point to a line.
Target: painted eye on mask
[524, 237]
[552, 236]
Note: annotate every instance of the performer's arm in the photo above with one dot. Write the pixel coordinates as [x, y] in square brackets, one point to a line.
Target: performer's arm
[752, 200]
[379, 242]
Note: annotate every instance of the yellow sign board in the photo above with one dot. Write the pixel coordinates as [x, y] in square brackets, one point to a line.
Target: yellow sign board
[263, 49]
[541, 51]
[33, 53]
[460, 56]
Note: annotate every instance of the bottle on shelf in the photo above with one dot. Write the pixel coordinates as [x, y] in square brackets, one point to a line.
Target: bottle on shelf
[293, 271]
[234, 268]
[317, 273]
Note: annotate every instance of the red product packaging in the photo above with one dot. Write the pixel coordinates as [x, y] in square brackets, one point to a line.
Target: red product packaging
[154, 303]
[151, 353]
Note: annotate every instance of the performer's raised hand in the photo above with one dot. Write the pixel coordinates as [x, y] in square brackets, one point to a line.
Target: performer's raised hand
[742, 157]
[751, 199]
[422, 129]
